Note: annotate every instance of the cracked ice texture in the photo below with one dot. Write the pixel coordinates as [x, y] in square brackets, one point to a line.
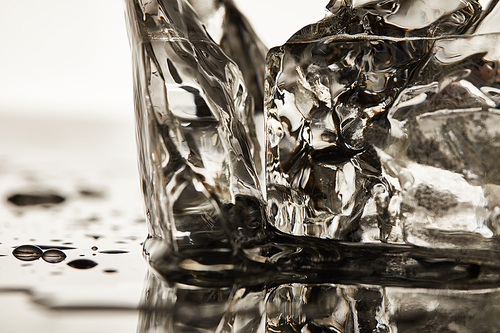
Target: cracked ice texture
[231, 30]
[194, 114]
[382, 125]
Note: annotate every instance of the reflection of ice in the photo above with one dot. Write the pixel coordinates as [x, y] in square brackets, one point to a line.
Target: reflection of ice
[297, 307]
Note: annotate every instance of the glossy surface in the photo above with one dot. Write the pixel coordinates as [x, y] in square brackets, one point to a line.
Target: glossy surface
[46, 294]
[385, 131]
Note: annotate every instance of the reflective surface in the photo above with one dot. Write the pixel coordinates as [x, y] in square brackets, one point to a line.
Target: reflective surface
[57, 273]
[316, 308]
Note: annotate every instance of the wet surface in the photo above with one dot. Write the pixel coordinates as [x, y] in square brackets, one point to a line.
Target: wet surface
[72, 226]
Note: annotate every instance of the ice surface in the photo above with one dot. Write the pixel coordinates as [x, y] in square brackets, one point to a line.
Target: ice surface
[383, 127]
[194, 119]
[375, 144]
[231, 30]
[402, 18]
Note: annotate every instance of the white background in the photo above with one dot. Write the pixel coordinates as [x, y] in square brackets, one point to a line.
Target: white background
[69, 58]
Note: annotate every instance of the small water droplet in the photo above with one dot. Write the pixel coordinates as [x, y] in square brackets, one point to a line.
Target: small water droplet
[94, 248]
[58, 247]
[35, 198]
[113, 251]
[53, 256]
[110, 271]
[82, 263]
[27, 252]
[91, 193]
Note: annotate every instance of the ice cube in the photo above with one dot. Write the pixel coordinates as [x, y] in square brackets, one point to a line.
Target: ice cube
[196, 150]
[376, 138]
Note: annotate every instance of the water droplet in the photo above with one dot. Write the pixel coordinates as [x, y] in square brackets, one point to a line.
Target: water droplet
[27, 252]
[91, 193]
[110, 271]
[113, 251]
[58, 247]
[82, 263]
[35, 198]
[53, 256]
[96, 237]
[94, 248]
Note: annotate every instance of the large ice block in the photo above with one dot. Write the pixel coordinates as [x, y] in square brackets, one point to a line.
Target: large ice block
[347, 115]
[380, 128]
[196, 154]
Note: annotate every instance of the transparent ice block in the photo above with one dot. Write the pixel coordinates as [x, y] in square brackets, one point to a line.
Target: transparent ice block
[351, 195]
[386, 138]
